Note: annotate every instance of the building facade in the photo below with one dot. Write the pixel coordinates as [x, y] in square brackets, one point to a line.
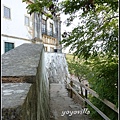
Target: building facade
[19, 27]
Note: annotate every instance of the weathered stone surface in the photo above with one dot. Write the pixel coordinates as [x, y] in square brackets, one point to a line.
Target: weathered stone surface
[24, 101]
[13, 97]
[25, 63]
[42, 85]
[61, 105]
[21, 61]
[29, 108]
[11, 113]
[14, 94]
[57, 68]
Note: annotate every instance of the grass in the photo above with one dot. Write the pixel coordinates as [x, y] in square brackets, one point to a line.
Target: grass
[69, 57]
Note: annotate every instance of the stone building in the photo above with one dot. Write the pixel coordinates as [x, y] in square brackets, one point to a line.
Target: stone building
[19, 27]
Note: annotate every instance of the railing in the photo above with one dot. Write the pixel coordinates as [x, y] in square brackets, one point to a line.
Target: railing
[49, 33]
[49, 40]
[86, 101]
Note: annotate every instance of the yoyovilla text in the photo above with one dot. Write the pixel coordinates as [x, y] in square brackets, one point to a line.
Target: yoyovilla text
[70, 113]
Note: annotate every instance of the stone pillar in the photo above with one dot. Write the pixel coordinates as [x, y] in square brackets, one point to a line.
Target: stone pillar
[37, 25]
[56, 27]
[40, 29]
[59, 34]
[37, 28]
[33, 25]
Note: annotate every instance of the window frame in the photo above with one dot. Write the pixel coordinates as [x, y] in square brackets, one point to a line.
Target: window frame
[6, 16]
[44, 25]
[28, 20]
[51, 29]
[8, 48]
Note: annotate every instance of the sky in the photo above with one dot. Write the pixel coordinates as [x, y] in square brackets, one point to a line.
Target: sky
[63, 18]
[67, 29]
[64, 28]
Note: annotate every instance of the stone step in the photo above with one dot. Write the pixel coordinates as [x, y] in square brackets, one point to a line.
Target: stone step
[63, 107]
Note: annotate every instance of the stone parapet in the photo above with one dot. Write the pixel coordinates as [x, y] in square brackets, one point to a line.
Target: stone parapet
[13, 98]
[28, 98]
[22, 61]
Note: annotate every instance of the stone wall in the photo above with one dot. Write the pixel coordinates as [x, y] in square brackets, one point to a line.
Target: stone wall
[28, 100]
[13, 98]
[26, 73]
[42, 85]
[56, 67]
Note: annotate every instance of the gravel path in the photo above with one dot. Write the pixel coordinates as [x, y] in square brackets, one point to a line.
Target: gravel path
[63, 107]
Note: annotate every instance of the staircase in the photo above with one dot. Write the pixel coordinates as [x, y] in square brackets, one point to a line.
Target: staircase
[63, 107]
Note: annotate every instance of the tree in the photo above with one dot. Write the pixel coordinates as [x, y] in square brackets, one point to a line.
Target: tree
[105, 82]
[95, 40]
[98, 33]
[80, 70]
[38, 5]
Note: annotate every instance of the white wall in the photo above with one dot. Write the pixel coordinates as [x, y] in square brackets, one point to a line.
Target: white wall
[15, 26]
[56, 68]
[16, 42]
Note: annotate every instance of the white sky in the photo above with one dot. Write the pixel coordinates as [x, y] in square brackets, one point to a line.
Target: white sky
[63, 18]
[67, 29]
[63, 25]
[64, 28]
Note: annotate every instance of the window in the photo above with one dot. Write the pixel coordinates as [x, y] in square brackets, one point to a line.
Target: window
[27, 21]
[45, 49]
[7, 12]
[8, 46]
[51, 29]
[44, 26]
[51, 49]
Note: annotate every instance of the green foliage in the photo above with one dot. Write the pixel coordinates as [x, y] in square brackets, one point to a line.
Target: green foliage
[95, 41]
[69, 57]
[38, 5]
[102, 75]
[105, 109]
[78, 69]
[72, 6]
[105, 78]
[98, 33]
